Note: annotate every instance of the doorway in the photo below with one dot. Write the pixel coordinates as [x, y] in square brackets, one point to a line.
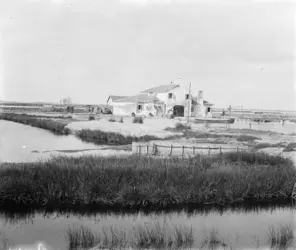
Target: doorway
[178, 110]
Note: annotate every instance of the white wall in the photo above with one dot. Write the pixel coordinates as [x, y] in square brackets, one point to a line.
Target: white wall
[123, 108]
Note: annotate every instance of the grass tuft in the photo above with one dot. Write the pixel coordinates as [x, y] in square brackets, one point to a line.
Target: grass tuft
[149, 236]
[213, 241]
[281, 237]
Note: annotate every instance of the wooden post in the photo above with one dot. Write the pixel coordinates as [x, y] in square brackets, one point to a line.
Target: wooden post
[220, 150]
[182, 150]
[193, 150]
[171, 152]
[237, 149]
[209, 151]
[147, 149]
[140, 149]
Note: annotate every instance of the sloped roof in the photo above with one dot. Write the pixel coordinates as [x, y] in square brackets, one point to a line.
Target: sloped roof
[161, 88]
[116, 97]
[140, 99]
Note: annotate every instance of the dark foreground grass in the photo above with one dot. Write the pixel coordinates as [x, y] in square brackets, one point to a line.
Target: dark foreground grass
[52, 125]
[149, 236]
[135, 182]
[110, 138]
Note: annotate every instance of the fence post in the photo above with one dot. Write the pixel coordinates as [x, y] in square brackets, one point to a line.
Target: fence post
[193, 150]
[155, 152]
[182, 150]
[236, 149]
[147, 149]
[220, 150]
[171, 152]
[209, 152]
[140, 149]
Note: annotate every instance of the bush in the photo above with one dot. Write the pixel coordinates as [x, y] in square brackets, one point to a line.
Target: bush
[112, 120]
[138, 119]
[247, 138]
[91, 117]
[290, 147]
[100, 137]
[180, 126]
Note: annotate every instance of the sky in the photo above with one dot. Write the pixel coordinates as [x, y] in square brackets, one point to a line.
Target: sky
[239, 52]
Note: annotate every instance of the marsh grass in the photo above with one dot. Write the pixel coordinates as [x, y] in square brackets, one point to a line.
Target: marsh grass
[256, 158]
[101, 137]
[269, 145]
[280, 237]
[4, 244]
[52, 125]
[150, 236]
[140, 182]
[213, 241]
[248, 138]
[290, 147]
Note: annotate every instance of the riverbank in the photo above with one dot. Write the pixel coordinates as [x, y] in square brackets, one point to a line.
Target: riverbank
[76, 183]
[53, 125]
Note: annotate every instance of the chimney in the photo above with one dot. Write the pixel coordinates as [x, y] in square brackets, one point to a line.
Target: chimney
[200, 94]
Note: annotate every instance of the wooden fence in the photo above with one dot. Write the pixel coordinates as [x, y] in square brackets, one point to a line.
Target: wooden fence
[155, 149]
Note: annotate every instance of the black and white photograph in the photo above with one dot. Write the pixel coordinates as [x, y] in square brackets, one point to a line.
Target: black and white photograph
[147, 124]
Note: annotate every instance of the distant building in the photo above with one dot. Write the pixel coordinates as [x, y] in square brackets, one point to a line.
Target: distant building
[66, 101]
[178, 101]
[162, 100]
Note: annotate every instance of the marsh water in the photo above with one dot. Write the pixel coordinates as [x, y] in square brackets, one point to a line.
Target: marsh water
[239, 229]
[23, 143]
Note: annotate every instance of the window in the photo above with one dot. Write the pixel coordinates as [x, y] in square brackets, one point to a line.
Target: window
[170, 95]
[186, 96]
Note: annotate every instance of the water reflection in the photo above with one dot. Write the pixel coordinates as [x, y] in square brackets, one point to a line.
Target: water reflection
[20, 142]
[245, 227]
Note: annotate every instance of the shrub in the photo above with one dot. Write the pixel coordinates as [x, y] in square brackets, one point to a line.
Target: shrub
[91, 117]
[138, 119]
[247, 138]
[110, 138]
[112, 120]
[290, 147]
[180, 126]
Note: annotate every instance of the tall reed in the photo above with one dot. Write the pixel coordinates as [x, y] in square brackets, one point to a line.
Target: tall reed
[151, 236]
[145, 182]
